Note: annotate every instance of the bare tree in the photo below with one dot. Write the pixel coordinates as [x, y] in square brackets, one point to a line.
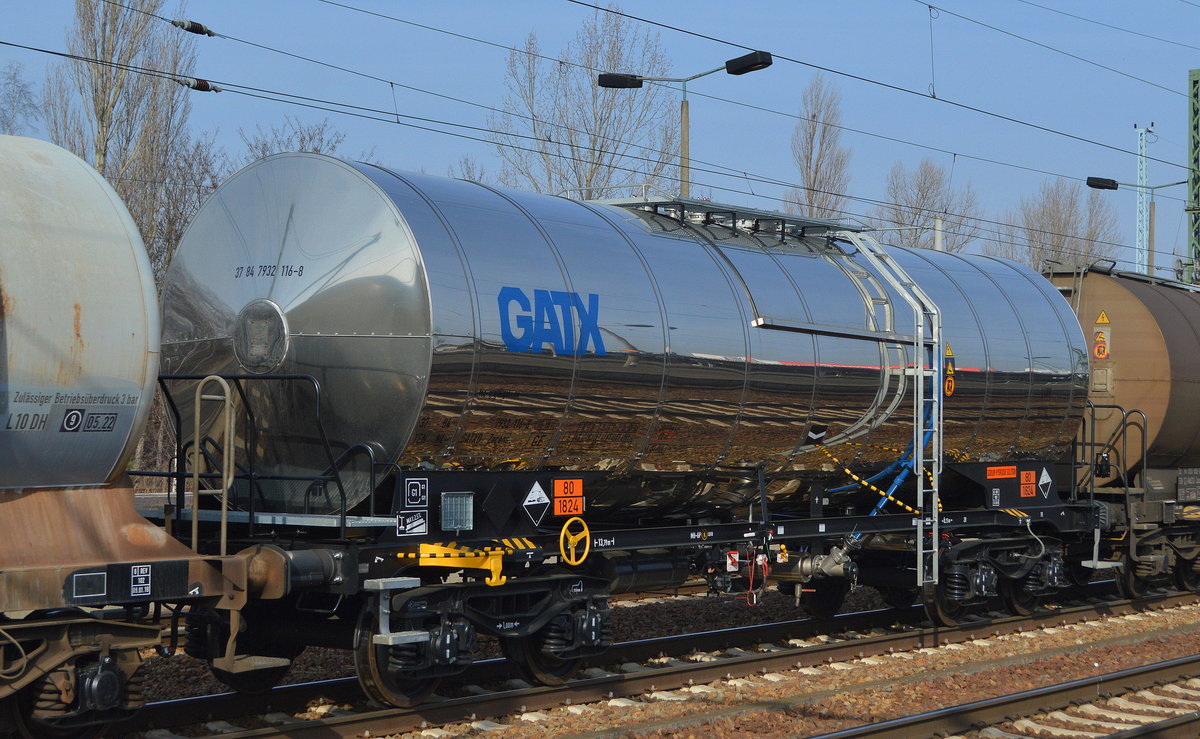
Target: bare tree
[1058, 224]
[822, 160]
[559, 131]
[18, 104]
[916, 198]
[133, 127]
[295, 135]
[468, 168]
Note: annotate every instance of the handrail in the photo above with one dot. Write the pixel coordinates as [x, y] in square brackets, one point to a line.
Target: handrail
[226, 460]
[1119, 433]
[346, 454]
[252, 430]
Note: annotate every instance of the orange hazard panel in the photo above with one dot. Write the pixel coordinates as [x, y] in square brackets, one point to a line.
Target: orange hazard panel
[568, 506]
[568, 488]
[568, 497]
[1029, 491]
[1028, 477]
[1002, 473]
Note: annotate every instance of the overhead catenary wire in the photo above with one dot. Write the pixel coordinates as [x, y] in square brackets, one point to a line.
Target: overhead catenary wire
[699, 94]
[387, 117]
[560, 61]
[1109, 25]
[201, 84]
[1048, 47]
[391, 117]
[878, 83]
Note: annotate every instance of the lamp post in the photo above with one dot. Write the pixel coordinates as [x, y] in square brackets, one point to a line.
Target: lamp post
[1144, 258]
[751, 62]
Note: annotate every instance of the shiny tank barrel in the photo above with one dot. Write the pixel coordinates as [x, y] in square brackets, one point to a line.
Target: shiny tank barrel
[80, 354]
[453, 323]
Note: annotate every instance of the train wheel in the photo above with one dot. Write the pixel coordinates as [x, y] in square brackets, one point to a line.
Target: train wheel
[535, 664]
[17, 719]
[899, 598]
[1185, 575]
[371, 665]
[1017, 600]
[823, 598]
[1129, 583]
[940, 609]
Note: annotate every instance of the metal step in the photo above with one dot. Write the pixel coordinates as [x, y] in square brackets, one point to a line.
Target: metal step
[392, 583]
[401, 637]
[1099, 564]
[242, 663]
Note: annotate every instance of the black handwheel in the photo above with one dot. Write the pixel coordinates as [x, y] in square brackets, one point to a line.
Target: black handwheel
[825, 598]
[371, 666]
[1185, 575]
[1017, 600]
[535, 664]
[940, 609]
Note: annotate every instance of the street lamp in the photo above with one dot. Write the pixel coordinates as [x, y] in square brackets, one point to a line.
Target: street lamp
[751, 62]
[1144, 253]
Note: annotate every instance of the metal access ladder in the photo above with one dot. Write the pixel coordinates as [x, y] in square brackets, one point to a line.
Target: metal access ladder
[928, 352]
[926, 339]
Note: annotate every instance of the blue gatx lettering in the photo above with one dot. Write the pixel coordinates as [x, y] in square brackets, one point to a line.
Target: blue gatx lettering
[549, 318]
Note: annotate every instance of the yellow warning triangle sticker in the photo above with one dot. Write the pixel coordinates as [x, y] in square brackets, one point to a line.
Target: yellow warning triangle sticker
[950, 353]
[1102, 318]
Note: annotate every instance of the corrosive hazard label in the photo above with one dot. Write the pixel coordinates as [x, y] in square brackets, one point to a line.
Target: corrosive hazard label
[535, 504]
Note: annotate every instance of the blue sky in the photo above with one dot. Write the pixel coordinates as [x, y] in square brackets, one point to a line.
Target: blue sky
[884, 40]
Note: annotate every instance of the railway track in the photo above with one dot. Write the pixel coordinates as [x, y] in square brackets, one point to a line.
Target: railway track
[647, 667]
[1159, 700]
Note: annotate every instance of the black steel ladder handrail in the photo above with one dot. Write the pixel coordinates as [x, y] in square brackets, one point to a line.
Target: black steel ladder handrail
[179, 474]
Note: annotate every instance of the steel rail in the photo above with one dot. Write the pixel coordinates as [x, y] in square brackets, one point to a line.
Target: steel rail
[1178, 727]
[977, 714]
[164, 714]
[602, 688]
